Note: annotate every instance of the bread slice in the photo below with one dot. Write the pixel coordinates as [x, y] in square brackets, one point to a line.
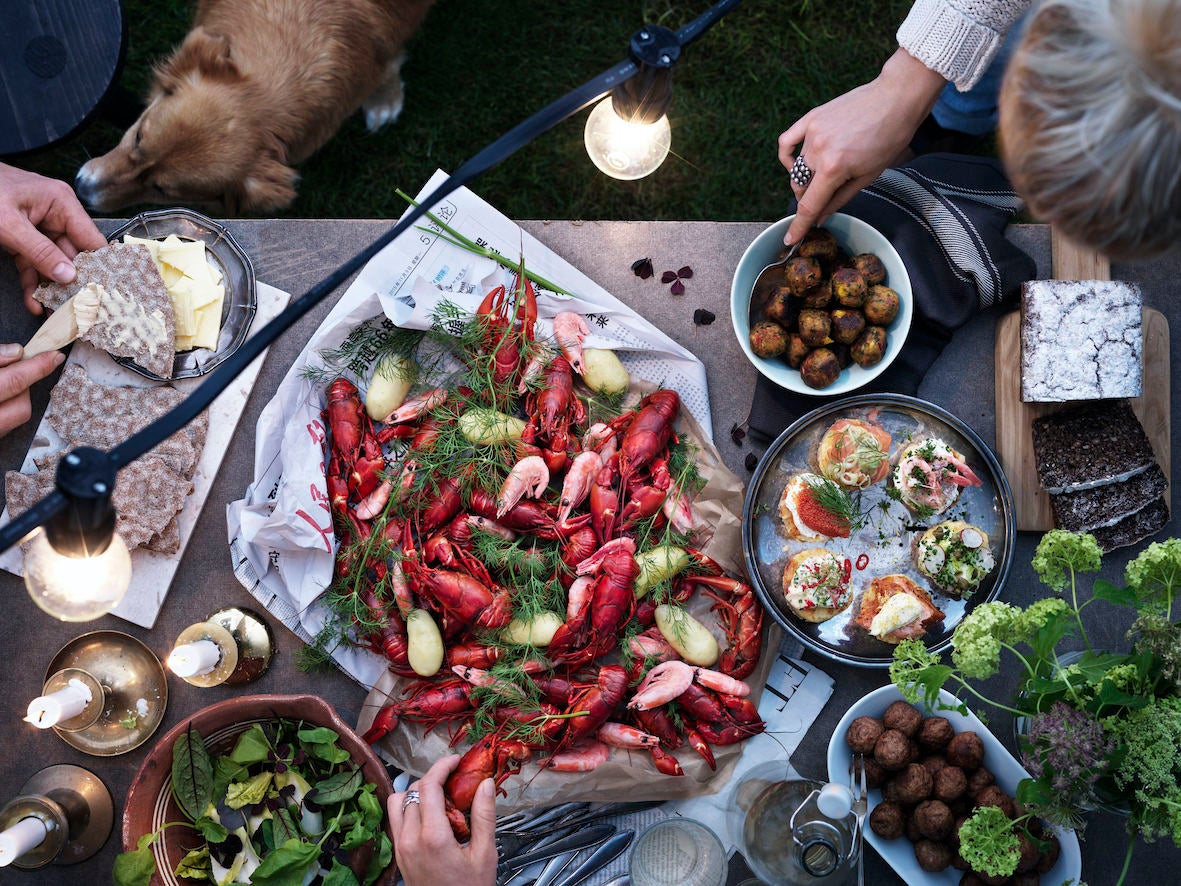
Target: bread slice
[1090, 446]
[1091, 509]
[1135, 527]
[879, 592]
[841, 593]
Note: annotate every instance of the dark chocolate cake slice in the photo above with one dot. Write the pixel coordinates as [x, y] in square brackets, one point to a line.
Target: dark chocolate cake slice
[1091, 509]
[1090, 446]
[1134, 528]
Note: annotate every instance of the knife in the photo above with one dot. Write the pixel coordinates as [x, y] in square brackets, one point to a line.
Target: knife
[581, 840]
[599, 859]
[555, 868]
[586, 816]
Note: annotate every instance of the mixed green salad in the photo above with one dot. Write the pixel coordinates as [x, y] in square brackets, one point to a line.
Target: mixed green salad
[285, 807]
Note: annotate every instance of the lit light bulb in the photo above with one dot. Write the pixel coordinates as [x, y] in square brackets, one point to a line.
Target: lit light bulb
[76, 588]
[625, 150]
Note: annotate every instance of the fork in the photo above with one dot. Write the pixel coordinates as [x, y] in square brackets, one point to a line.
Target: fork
[860, 804]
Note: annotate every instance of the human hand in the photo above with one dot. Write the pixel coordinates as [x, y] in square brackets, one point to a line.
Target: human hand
[424, 846]
[44, 226]
[16, 377]
[851, 139]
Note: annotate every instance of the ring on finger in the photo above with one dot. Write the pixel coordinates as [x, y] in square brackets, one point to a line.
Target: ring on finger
[411, 799]
[801, 173]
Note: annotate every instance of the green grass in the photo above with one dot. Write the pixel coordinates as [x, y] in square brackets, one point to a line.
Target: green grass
[478, 68]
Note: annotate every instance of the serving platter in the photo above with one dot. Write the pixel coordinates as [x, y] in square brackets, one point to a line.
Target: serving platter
[899, 854]
[883, 545]
[237, 275]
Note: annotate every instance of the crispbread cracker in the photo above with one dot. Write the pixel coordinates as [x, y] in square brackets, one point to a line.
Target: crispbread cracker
[129, 270]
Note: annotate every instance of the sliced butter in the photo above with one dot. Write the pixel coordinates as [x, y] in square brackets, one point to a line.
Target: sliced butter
[897, 612]
[195, 287]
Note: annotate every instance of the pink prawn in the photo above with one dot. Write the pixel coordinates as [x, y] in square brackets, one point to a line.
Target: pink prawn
[416, 407]
[577, 484]
[620, 735]
[529, 476]
[662, 684]
[569, 330]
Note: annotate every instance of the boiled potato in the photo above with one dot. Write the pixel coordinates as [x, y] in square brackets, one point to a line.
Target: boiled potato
[388, 389]
[487, 426]
[536, 631]
[658, 564]
[603, 372]
[424, 643]
[687, 635]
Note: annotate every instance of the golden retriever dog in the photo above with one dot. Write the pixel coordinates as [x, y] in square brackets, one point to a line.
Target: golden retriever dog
[256, 86]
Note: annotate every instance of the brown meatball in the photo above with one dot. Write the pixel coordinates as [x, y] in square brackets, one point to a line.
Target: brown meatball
[820, 369]
[913, 784]
[802, 274]
[902, 716]
[819, 296]
[934, 763]
[820, 245]
[995, 796]
[768, 339]
[781, 308]
[958, 862]
[863, 734]
[979, 780]
[950, 784]
[890, 789]
[888, 820]
[991, 880]
[875, 775]
[1029, 853]
[797, 350]
[934, 819]
[892, 751]
[815, 326]
[932, 856]
[1026, 878]
[1049, 856]
[966, 751]
[844, 360]
[871, 268]
[935, 733]
[912, 829]
[849, 287]
[847, 325]
[881, 305]
[970, 878]
[870, 346]
[954, 839]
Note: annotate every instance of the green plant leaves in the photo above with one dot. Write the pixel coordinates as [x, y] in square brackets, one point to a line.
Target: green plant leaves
[251, 747]
[135, 867]
[287, 865]
[243, 793]
[338, 788]
[192, 774]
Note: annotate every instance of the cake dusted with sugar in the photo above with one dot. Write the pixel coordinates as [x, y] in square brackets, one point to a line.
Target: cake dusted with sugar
[1080, 340]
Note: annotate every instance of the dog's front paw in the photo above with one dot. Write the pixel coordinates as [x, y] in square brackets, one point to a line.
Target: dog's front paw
[378, 115]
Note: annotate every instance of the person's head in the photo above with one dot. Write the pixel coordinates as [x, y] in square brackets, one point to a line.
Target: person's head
[1090, 122]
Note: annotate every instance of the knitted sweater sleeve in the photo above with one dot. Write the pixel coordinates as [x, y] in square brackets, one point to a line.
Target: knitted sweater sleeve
[958, 38]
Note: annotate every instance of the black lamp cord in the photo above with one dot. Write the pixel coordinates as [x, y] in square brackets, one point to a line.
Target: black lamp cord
[188, 409]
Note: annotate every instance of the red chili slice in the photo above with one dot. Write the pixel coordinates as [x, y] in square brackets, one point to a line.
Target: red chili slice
[862, 561]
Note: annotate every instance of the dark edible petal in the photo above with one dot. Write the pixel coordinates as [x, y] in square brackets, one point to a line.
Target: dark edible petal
[752, 461]
[685, 273]
[668, 276]
[737, 434]
[677, 288]
[702, 317]
[642, 268]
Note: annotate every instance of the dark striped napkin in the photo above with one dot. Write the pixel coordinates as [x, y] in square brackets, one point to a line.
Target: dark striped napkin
[946, 216]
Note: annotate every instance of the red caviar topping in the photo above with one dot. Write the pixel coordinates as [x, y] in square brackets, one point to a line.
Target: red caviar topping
[819, 520]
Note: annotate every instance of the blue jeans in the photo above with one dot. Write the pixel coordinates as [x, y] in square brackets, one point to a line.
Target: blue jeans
[975, 111]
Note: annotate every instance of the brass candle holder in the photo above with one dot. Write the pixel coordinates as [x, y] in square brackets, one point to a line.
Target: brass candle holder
[129, 692]
[244, 649]
[70, 805]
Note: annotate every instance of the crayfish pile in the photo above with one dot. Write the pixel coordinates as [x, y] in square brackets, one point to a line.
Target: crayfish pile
[530, 574]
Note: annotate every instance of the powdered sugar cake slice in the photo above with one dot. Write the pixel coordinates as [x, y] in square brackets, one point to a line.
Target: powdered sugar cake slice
[139, 322]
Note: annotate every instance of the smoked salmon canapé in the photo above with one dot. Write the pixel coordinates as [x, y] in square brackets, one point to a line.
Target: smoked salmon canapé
[816, 584]
[929, 476]
[808, 514]
[854, 454]
[894, 608]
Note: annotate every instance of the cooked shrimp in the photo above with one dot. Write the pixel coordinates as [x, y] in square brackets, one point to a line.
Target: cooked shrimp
[662, 684]
[578, 482]
[570, 329]
[529, 477]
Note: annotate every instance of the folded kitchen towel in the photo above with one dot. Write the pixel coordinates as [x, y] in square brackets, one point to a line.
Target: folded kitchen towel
[946, 216]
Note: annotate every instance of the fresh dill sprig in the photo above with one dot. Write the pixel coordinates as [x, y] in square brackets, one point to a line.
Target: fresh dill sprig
[839, 502]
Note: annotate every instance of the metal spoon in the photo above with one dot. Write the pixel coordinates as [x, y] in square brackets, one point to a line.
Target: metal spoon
[780, 263]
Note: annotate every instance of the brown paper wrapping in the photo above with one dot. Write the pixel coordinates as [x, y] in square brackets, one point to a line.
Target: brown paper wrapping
[627, 775]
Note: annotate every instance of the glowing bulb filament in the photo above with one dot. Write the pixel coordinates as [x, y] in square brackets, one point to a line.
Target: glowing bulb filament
[625, 150]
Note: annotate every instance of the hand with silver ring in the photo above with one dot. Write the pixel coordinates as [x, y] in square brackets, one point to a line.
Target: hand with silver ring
[801, 173]
[425, 846]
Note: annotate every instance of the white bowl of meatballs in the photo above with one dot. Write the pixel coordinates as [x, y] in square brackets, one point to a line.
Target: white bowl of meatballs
[934, 767]
[835, 317]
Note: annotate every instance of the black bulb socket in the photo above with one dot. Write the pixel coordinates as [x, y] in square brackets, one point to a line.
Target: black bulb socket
[645, 98]
[85, 527]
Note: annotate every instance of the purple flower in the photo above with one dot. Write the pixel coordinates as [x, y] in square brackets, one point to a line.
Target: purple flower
[1070, 747]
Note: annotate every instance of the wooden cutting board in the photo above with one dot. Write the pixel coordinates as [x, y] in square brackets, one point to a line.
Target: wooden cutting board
[1014, 419]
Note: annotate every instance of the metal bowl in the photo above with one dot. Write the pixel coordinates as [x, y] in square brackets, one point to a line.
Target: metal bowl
[887, 543]
[854, 236]
[149, 799]
[237, 272]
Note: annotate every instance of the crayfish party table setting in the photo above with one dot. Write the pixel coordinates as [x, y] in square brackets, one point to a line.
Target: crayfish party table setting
[728, 583]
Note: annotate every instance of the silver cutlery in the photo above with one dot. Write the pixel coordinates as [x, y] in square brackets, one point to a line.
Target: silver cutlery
[599, 859]
[582, 839]
[860, 804]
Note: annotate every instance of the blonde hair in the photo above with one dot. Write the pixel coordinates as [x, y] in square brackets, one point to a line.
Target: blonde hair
[1090, 122]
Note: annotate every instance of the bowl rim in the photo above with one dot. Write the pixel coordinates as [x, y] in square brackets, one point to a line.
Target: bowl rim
[773, 452]
[1070, 856]
[794, 382]
[312, 707]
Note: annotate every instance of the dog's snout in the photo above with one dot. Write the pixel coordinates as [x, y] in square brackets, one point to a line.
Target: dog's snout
[86, 184]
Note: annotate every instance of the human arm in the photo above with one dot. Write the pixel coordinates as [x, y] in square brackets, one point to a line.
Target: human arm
[44, 226]
[851, 139]
[16, 377]
[424, 846]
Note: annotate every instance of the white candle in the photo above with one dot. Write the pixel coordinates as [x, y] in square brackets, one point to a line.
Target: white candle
[194, 659]
[49, 710]
[25, 835]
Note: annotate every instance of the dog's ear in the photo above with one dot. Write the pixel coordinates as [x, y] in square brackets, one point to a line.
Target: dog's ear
[203, 52]
[269, 186]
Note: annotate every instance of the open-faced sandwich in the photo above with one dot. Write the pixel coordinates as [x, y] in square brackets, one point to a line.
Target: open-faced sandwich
[894, 608]
[812, 509]
[854, 453]
[816, 584]
[929, 476]
[954, 555]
